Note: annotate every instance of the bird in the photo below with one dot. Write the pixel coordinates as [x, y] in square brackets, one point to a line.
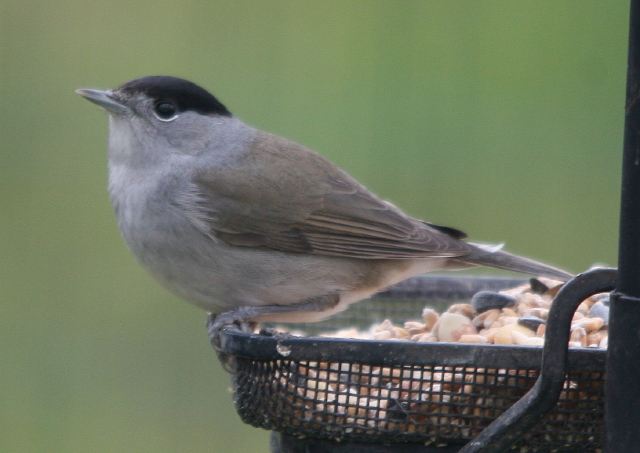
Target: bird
[253, 227]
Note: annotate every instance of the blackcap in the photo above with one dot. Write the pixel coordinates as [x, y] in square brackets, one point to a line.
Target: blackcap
[252, 225]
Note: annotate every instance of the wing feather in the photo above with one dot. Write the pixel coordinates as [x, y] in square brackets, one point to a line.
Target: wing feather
[305, 204]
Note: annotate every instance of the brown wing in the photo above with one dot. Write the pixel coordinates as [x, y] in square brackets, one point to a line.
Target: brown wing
[306, 204]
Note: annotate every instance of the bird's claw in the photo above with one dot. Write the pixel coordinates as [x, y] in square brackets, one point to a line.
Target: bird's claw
[216, 323]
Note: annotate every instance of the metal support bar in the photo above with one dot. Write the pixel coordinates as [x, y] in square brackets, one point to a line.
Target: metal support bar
[622, 387]
[528, 411]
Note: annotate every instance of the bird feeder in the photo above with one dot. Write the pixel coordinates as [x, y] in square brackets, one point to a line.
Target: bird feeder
[366, 396]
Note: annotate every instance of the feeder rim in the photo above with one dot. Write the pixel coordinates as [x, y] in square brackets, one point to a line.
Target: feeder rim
[400, 353]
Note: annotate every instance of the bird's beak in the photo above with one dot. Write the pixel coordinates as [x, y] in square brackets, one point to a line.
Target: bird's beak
[104, 99]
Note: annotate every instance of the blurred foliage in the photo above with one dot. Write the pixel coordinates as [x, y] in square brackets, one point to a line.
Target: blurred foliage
[501, 118]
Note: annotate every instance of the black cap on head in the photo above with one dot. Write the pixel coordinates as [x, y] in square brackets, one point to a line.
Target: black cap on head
[183, 94]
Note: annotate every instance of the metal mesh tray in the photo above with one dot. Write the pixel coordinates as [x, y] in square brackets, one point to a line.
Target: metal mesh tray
[386, 392]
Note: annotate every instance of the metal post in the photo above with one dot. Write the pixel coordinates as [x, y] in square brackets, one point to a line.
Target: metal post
[622, 388]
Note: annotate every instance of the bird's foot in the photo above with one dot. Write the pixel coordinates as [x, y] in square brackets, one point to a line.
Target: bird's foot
[216, 323]
[239, 318]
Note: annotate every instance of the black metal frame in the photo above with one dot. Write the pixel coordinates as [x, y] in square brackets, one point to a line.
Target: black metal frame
[622, 418]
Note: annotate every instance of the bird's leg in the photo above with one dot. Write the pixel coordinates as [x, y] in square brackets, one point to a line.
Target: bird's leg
[240, 318]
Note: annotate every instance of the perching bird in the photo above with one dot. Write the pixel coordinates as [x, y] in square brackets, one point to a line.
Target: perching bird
[246, 223]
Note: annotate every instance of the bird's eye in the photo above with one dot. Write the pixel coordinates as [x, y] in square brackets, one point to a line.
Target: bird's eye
[165, 111]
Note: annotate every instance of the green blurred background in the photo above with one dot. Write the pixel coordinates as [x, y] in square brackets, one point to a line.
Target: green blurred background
[503, 119]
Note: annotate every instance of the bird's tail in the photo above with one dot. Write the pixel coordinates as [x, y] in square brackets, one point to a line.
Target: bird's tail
[494, 257]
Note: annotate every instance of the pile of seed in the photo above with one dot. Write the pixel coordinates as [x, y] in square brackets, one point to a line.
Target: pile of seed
[513, 317]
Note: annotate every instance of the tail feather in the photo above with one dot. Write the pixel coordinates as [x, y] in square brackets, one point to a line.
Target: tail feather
[499, 259]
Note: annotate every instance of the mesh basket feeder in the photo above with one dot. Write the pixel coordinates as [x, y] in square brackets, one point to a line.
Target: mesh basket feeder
[343, 395]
